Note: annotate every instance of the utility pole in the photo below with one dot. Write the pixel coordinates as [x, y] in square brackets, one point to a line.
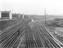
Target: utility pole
[45, 15]
[23, 16]
[0, 14]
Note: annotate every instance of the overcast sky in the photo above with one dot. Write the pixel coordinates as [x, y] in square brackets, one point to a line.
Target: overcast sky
[54, 7]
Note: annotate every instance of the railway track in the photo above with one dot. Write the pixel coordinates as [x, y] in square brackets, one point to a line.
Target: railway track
[23, 36]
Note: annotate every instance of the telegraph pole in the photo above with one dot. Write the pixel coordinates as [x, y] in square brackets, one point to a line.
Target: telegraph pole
[23, 16]
[0, 14]
[45, 15]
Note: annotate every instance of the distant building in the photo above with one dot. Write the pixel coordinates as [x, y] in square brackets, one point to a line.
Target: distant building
[5, 15]
[17, 16]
